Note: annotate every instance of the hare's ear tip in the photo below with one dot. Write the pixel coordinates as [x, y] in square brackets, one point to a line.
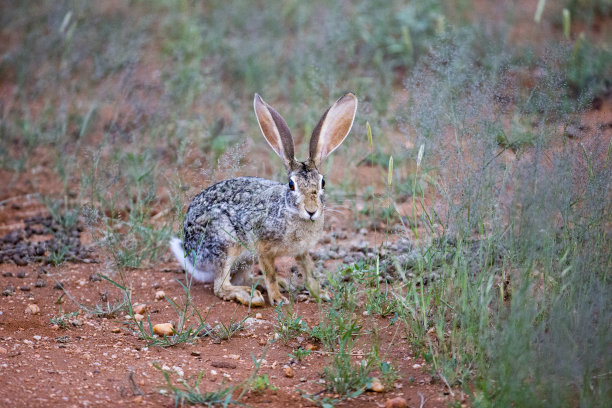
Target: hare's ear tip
[350, 95]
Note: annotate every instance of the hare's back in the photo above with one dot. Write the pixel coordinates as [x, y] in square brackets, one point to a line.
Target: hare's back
[243, 194]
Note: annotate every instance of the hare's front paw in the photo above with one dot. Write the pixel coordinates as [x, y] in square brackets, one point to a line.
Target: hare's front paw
[278, 299]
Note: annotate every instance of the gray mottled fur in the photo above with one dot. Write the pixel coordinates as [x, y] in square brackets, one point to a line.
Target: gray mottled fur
[247, 212]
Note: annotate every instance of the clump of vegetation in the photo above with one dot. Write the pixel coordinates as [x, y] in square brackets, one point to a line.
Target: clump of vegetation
[288, 325]
[63, 319]
[261, 383]
[344, 377]
[299, 354]
[181, 333]
[183, 392]
[224, 331]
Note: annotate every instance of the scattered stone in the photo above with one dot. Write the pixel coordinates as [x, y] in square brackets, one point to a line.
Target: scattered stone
[138, 317]
[339, 234]
[397, 402]
[160, 294]
[139, 309]
[234, 356]
[19, 261]
[58, 286]
[258, 316]
[7, 274]
[63, 339]
[137, 399]
[94, 277]
[263, 341]
[21, 274]
[9, 291]
[76, 322]
[24, 288]
[32, 309]
[55, 327]
[195, 353]
[376, 385]
[3, 350]
[116, 330]
[311, 347]
[41, 283]
[224, 364]
[163, 329]
[37, 337]
[24, 248]
[289, 372]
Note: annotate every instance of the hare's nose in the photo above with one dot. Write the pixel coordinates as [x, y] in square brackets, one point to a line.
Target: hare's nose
[311, 213]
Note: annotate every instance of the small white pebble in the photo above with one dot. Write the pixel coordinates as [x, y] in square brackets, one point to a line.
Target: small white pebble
[178, 370]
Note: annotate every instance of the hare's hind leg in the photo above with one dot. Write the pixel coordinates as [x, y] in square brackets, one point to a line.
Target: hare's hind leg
[274, 295]
[223, 287]
[243, 269]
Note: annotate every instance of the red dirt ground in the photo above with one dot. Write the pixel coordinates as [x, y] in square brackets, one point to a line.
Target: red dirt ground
[90, 365]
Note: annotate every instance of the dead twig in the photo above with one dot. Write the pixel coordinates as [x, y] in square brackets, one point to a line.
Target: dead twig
[446, 382]
[422, 400]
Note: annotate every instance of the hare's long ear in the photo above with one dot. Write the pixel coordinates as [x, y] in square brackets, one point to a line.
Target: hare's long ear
[275, 130]
[333, 127]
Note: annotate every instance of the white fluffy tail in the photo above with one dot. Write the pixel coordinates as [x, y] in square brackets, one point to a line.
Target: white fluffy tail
[176, 246]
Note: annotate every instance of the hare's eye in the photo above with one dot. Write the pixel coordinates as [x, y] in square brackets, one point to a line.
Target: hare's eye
[291, 185]
[322, 183]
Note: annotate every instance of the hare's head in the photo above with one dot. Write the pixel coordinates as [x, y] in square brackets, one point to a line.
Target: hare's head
[305, 183]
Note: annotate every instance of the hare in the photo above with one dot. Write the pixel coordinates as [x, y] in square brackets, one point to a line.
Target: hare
[235, 217]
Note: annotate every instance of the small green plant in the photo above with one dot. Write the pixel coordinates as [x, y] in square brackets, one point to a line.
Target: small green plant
[380, 303]
[388, 374]
[288, 324]
[107, 309]
[63, 319]
[344, 377]
[224, 331]
[336, 327]
[299, 354]
[185, 393]
[223, 396]
[261, 383]
[59, 255]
